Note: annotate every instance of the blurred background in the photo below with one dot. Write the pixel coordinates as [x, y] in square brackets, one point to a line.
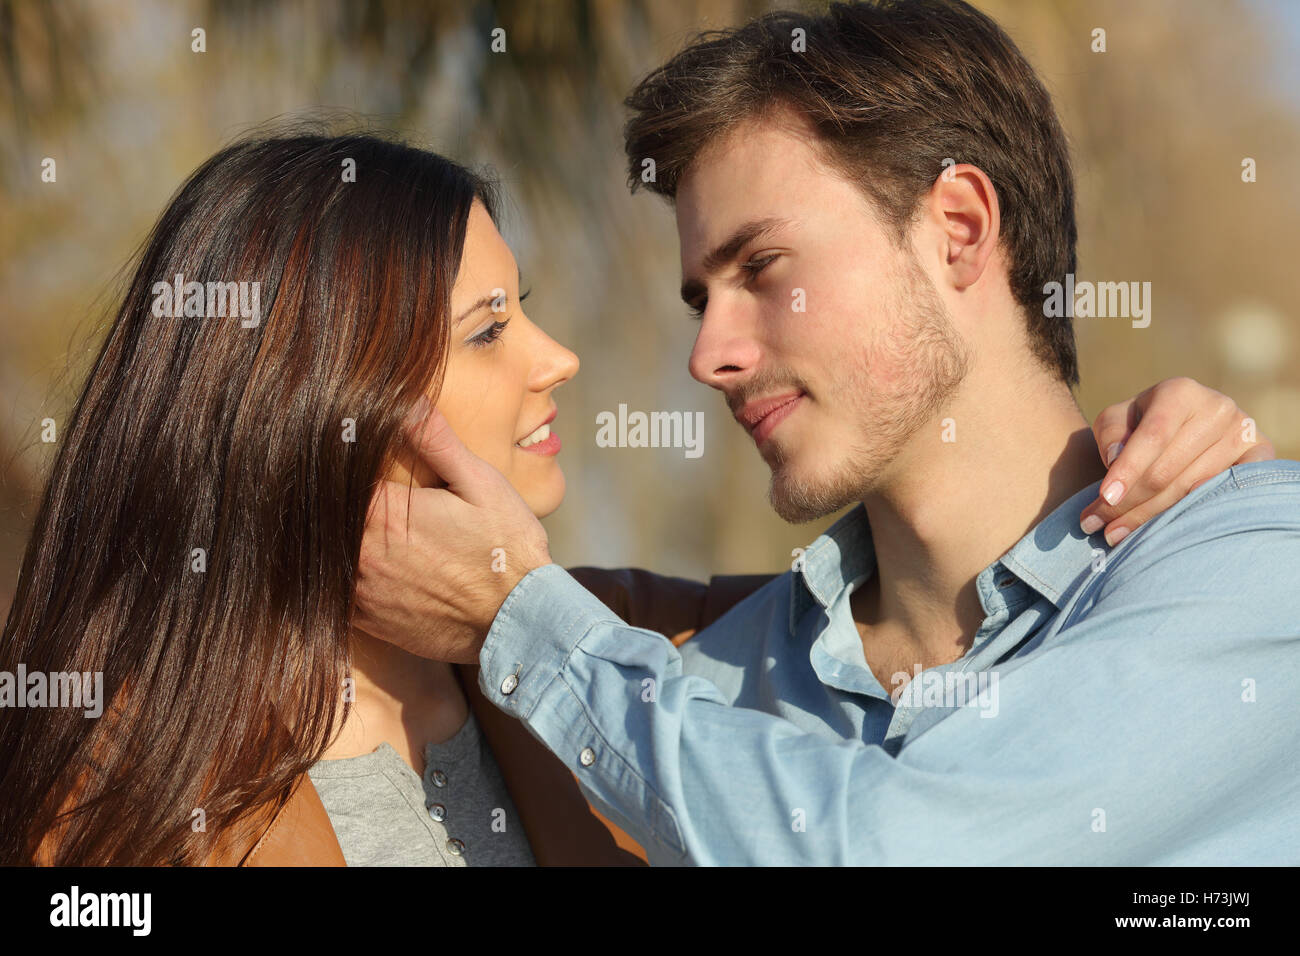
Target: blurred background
[1159, 124]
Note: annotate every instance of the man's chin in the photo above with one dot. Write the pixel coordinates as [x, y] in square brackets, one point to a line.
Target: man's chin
[798, 501]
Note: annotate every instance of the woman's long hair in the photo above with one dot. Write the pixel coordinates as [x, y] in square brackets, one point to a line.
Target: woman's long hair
[198, 538]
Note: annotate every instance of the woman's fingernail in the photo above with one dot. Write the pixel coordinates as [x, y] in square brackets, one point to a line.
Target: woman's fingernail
[1115, 537]
[1113, 492]
[1113, 452]
[1091, 524]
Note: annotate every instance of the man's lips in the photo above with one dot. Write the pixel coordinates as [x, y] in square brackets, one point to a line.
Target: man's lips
[760, 417]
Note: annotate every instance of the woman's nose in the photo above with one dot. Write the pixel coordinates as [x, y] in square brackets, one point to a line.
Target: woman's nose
[556, 364]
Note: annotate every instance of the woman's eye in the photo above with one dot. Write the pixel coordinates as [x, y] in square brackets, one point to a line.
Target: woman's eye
[490, 334]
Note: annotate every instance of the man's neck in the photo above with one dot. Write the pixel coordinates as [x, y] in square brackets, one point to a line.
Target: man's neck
[947, 510]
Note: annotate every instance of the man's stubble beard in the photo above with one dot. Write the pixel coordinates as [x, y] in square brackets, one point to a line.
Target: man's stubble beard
[920, 337]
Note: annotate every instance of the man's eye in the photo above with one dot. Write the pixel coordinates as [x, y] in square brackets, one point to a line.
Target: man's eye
[489, 335]
[753, 267]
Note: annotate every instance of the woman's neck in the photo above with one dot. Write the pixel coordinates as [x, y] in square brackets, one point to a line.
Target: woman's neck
[398, 699]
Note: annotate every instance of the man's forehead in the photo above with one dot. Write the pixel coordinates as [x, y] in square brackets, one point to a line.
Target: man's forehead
[752, 172]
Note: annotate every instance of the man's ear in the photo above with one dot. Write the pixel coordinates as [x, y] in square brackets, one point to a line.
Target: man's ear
[964, 204]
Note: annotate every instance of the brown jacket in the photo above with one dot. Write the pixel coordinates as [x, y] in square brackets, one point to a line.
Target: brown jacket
[562, 828]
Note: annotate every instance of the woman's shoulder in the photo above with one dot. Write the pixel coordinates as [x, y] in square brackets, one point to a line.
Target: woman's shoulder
[297, 834]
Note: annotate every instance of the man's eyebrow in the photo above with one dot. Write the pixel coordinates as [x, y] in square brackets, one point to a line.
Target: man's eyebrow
[727, 251]
[483, 303]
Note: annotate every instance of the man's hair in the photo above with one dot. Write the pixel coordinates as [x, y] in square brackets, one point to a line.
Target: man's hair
[892, 89]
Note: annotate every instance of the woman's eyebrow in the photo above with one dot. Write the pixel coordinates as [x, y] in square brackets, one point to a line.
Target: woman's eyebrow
[485, 301]
[482, 303]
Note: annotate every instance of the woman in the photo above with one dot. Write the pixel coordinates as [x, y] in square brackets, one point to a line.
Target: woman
[198, 538]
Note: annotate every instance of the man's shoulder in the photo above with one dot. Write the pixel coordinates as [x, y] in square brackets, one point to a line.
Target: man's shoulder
[740, 631]
[1258, 496]
[1227, 556]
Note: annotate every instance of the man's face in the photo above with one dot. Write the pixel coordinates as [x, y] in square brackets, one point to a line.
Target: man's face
[815, 313]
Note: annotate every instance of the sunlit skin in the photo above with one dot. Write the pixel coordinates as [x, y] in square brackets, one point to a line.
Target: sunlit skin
[498, 391]
[872, 349]
[892, 342]
[500, 375]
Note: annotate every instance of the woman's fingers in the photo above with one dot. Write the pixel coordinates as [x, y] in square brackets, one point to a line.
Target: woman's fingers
[1262, 450]
[1154, 499]
[1184, 435]
[1114, 425]
[1163, 427]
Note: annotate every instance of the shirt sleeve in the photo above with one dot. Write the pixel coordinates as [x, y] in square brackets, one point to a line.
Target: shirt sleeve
[674, 607]
[1158, 728]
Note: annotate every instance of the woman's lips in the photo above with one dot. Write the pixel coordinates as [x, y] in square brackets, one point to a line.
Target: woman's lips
[775, 417]
[550, 445]
[547, 446]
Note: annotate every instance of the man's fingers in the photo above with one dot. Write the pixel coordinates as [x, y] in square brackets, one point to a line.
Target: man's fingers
[387, 512]
[442, 451]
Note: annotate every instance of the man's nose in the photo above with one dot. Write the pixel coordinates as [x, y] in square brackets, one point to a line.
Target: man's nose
[726, 348]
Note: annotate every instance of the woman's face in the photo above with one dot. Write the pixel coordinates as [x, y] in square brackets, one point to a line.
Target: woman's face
[501, 370]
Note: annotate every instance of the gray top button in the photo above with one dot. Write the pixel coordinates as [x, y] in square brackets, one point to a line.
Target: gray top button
[509, 684]
[455, 847]
[438, 778]
[587, 757]
[438, 812]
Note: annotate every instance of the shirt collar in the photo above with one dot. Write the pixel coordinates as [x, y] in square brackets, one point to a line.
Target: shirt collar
[841, 555]
[1055, 553]
[1050, 558]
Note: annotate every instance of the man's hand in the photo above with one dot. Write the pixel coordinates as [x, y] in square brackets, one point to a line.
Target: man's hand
[435, 571]
[1170, 439]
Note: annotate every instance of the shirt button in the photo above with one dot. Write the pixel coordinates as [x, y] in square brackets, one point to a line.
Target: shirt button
[509, 684]
[587, 757]
[455, 847]
[438, 812]
[439, 778]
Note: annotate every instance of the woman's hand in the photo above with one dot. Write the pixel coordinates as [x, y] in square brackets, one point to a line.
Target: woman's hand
[1162, 445]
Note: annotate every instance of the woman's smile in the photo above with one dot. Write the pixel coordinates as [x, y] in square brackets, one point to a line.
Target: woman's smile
[541, 440]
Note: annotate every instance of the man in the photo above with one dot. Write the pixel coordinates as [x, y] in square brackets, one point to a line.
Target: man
[870, 204]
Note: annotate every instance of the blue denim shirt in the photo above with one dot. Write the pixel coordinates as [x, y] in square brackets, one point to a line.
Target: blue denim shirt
[1134, 705]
